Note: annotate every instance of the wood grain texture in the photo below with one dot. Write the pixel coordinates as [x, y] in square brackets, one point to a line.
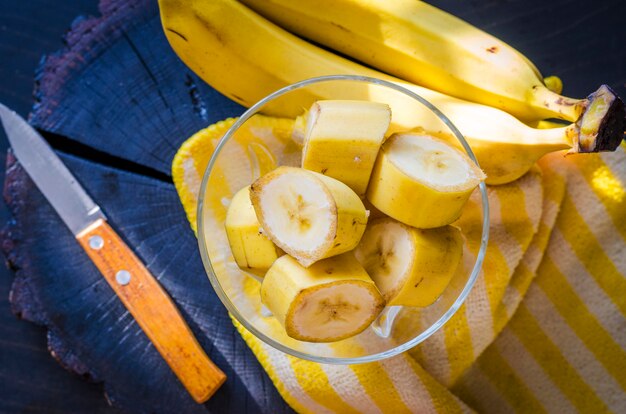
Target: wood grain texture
[91, 332]
[152, 309]
[119, 88]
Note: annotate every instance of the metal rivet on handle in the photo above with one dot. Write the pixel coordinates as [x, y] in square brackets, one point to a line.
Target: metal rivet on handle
[96, 242]
[122, 277]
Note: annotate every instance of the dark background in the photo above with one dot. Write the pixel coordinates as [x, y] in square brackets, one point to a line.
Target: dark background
[583, 42]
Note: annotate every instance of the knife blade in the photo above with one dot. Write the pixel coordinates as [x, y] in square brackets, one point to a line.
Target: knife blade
[49, 173]
[139, 291]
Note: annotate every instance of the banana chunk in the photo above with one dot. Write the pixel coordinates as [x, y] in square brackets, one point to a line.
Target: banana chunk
[308, 215]
[410, 266]
[422, 181]
[342, 139]
[329, 301]
[252, 250]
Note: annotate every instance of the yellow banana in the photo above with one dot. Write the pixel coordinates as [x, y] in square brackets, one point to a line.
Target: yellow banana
[410, 266]
[342, 140]
[252, 250]
[422, 44]
[329, 301]
[246, 57]
[308, 215]
[421, 181]
[554, 83]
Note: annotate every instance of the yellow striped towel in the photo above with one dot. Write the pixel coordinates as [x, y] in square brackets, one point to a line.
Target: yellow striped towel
[543, 330]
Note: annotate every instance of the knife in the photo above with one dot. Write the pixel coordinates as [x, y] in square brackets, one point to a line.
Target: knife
[139, 291]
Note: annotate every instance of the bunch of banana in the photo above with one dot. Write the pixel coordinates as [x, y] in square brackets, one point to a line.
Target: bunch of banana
[246, 57]
[422, 44]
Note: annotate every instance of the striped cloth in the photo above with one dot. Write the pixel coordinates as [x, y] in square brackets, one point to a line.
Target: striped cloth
[543, 330]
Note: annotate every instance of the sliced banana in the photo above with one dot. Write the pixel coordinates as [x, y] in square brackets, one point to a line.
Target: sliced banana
[410, 266]
[422, 181]
[308, 215]
[252, 250]
[342, 139]
[331, 300]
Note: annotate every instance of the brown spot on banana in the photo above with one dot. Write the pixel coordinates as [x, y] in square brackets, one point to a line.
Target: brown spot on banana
[213, 30]
[340, 27]
[565, 102]
[176, 33]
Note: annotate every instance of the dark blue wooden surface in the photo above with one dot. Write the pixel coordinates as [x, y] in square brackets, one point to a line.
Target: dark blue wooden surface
[57, 286]
[119, 90]
[583, 42]
[31, 381]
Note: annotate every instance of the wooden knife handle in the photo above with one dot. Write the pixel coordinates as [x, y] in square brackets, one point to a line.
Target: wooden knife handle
[153, 310]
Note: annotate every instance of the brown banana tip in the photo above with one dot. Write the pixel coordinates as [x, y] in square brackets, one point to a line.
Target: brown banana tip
[611, 131]
[602, 124]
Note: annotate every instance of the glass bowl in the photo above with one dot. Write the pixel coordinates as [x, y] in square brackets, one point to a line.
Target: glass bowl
[249, 149]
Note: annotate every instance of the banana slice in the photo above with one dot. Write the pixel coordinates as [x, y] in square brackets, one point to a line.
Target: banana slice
[422, 181]
[328, 301]
[410, 266]
[342, 139]
[252, 250]
[308, 215]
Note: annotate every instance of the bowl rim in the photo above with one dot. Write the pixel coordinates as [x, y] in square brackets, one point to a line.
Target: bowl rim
[232, 309]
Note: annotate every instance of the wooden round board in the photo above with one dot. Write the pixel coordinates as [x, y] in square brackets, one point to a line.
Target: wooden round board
[117, 103]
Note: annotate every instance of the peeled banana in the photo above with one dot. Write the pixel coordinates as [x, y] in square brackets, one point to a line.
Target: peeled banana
[422, 181]
[342, 140]
[410, 266]
[246, 57]
[328, 301]
[252, 250]
[308, 215]
[422, 44]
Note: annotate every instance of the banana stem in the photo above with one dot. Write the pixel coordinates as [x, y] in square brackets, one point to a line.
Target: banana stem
[599, 117]
[601, 128]
[563, 135]
[559, 106]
